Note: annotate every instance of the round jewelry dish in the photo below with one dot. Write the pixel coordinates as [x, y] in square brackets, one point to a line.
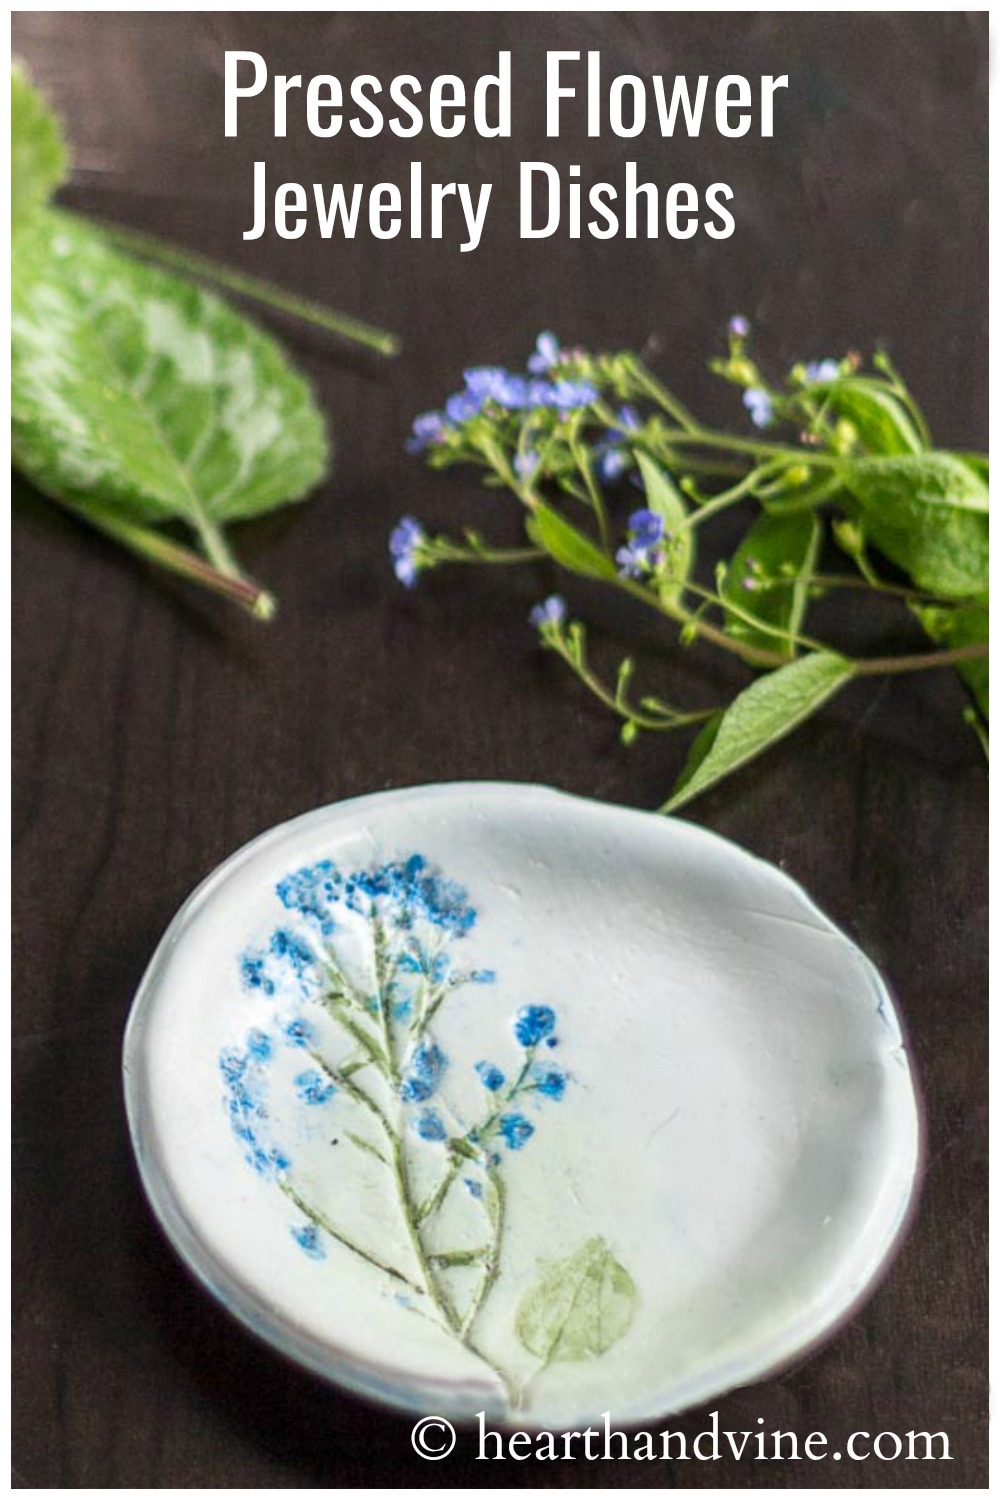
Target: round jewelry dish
[482, 1097]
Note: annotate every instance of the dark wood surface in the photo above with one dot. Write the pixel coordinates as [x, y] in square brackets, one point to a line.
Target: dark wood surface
[154, 733]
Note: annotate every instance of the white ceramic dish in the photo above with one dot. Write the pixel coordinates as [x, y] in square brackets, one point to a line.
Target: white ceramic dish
[698, 1182]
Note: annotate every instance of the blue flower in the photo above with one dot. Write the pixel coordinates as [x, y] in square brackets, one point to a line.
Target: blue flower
[288, 946]
[525, 464]
[491, 383]
[739, 326]
[307, 1235]
[613, 461]
[483, 976]
[475, 1187]
[424, 1075]
[313, 1088]
[299, 1033]
[570, 395]
[232, 1064]
[516, 1130]
[490, 1076]
[259, 1045]
[463, 406]
[428, 428]
[760, 406]
[254, 974]
[430, 1127]
[643, 552]
[551, 611]
[268, 1162]
[312, 891]
[405, 543]
[533, 1023]
[822, 371]
[546, 354]
[552, 1084]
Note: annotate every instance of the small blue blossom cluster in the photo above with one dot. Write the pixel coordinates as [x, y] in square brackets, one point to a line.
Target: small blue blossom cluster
[403, 893]
[405, 543]
[243, 1074]
[532, 1026]
[760, 405]
[550, 613]
[614, 456]
[822, 372]
[307, 1237]
[424, 1074]
[549, 385]
[313, 1088]
[643, 552]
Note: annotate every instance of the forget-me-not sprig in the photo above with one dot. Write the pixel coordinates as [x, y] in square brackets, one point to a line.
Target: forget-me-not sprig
[363, 959]
[643, 552]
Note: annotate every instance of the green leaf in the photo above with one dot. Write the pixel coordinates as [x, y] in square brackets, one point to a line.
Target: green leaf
[966, 625]
[979, 463]
[570, 548]
[38, 156]
[879, 418]
[665, 499]
[766, 579]
[579, 1307]
[759, 717]
[136, 391]
[929, 515]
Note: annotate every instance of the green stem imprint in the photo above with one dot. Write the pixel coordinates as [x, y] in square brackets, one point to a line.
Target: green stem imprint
[384, 1056]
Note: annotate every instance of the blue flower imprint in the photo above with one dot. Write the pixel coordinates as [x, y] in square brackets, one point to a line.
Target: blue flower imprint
[354, 978]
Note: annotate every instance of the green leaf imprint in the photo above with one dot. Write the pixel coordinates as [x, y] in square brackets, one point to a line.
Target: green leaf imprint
[765, 579]
[579, 1307]
[762, 714]
[135, 390]
[665, 499]
[38, 156]
[929, 515]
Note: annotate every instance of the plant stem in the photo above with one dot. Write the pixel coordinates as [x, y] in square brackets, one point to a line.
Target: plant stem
[220, 574]
[925, 661]
[264, 292]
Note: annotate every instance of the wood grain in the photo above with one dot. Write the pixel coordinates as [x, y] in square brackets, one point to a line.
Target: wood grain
[154, 733]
